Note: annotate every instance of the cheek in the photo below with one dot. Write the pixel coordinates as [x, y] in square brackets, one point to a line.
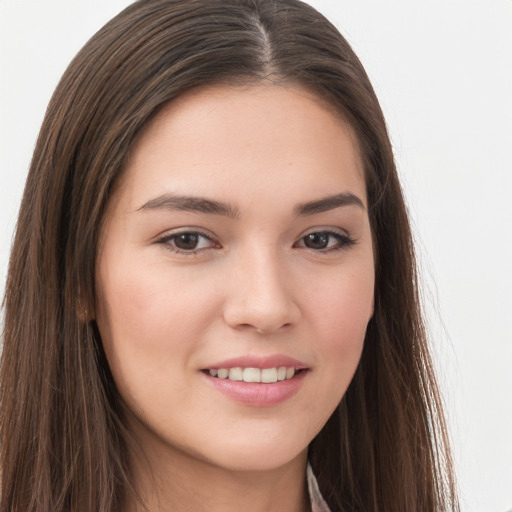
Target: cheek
[150, 320]
[340, 311]
[151, 305]
[340, 314]
[343, 304]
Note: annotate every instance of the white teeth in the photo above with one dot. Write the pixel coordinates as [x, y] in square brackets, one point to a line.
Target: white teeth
[265, 375]
[235, 374]
[269, 375]
[252, 375]
[222, 373]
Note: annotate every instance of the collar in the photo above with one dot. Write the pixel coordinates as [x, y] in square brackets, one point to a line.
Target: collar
[318, 503]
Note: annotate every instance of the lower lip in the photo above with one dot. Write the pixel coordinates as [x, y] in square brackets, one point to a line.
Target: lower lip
[258, 394]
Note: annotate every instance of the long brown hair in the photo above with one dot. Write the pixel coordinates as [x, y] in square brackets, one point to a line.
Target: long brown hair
[62, 433]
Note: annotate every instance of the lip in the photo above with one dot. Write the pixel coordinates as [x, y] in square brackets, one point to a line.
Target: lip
[258, 394]
[261, 362]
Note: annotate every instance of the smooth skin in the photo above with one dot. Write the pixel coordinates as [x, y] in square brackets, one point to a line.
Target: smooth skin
[239, 227]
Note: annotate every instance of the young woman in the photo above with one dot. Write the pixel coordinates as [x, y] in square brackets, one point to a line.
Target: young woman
[211, 301]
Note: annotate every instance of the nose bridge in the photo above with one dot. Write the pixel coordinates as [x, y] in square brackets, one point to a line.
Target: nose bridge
[260, 295]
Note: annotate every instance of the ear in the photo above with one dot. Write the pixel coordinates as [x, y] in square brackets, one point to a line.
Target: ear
[84, 315]
[83, 309]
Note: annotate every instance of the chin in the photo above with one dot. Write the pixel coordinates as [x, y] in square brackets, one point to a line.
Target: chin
[258, 453]
[264, 461]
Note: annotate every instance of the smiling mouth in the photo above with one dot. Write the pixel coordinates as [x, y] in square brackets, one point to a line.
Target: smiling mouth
[264, 375]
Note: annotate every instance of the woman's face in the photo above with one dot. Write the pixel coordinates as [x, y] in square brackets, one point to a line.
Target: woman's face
[236, 246]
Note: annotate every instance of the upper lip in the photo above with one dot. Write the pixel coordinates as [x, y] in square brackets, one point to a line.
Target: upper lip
[271, 361]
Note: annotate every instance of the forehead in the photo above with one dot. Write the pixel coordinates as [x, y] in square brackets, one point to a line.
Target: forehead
[244, 140]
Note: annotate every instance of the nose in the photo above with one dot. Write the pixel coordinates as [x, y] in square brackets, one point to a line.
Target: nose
[260, 295]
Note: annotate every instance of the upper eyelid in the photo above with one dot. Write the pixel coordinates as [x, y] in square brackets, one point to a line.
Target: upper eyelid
[179, 231]
[325, 229]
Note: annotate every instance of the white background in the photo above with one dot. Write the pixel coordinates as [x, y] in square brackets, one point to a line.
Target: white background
[443, 72]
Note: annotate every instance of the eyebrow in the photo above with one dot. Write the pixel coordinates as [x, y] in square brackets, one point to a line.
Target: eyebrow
[328, 203]
[210, 206]
[190, 204]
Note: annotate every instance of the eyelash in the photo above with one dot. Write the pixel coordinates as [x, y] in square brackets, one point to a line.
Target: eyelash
[344, 242]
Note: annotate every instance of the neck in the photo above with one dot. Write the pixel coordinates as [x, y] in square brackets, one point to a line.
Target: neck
[168, 479]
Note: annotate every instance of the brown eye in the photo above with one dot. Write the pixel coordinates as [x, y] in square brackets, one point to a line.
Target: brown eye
[325, 241]
[186, 241]
[317, 240]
